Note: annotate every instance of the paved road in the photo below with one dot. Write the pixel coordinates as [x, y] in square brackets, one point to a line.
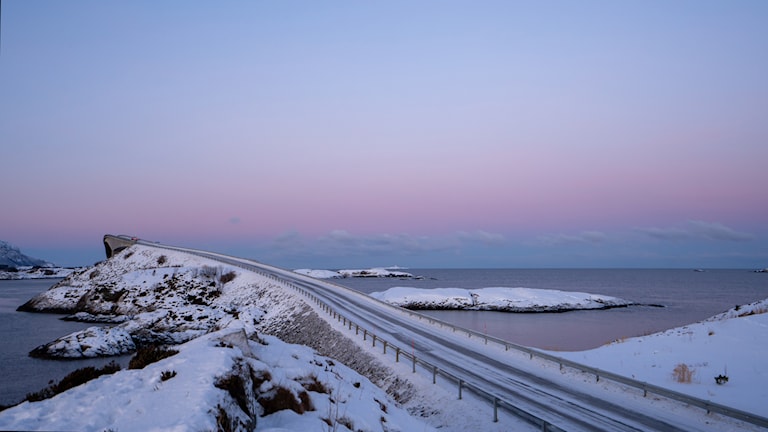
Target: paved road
[563, 406]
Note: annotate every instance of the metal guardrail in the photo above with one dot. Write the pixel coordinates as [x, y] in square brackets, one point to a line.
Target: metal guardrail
[498, 402]
[709, 406]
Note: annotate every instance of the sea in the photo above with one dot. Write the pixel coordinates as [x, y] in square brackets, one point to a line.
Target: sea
[668, 298]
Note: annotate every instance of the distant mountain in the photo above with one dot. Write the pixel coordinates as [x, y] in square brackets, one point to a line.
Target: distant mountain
[11, 256]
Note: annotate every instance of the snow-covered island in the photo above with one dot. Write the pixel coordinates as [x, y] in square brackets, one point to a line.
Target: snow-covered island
[375, 272]
[34, 272]
[254, 354]
[15, 265]
[497, 299]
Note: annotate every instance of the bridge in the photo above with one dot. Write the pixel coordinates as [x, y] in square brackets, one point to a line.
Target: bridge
[113, 244]
[493, 369]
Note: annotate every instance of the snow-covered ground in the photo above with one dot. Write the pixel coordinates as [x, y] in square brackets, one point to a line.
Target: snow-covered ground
[150, 295]
[371, 272]
[29, 272]
[732, 344]
[497, 299]
[220, 379]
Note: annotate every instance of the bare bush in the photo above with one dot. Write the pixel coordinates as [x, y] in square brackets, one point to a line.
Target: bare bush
[148, 355]
[227, 277]
[74, 379]
[682, 373]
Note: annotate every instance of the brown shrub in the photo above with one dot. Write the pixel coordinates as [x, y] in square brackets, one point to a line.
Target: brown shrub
[281, 398]
[682, 373]
[148, 355]
[74, 379]
[227, 277]
[311, 383]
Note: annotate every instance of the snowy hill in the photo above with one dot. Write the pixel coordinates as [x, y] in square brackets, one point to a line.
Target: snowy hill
[11, 256]
[147, 295]
[733, 344]
[230, 372]
[222, 381]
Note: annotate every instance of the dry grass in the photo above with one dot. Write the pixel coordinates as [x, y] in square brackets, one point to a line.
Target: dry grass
[683, 374]
[756, 311]
[227, 277]
[281, 398]
[74, 379]
[148, 355]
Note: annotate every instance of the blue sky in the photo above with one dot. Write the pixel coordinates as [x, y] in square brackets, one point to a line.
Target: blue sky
[422, 134]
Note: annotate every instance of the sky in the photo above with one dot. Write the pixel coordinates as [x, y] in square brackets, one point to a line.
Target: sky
[346, 134]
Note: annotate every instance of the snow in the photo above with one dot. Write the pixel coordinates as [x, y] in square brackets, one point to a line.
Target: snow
[371, 272]
[11, 256]
[91, 342]
[150, 295]
[734, 344]
[497, 299]
[28, 272]
[140, 400]
[319, 274]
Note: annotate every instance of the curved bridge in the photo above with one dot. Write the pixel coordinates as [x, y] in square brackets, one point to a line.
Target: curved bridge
[113, 244]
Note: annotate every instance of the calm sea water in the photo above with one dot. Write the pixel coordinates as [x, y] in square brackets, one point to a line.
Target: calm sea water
[687, 297]
[20, 332]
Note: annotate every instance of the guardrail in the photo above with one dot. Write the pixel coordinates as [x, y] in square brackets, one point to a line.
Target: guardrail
[497, 402]
[709, 406]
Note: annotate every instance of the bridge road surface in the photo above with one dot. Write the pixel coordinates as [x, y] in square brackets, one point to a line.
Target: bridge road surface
[562, 406]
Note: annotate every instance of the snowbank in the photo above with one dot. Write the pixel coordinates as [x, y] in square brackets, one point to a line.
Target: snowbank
[219, 379]
[731, 344]
[497, 299]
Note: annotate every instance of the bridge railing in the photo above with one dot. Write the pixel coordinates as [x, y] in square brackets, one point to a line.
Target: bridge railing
[495, 400]
[646, 388]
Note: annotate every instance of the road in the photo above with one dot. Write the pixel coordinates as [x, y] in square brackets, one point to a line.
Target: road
[562, 406]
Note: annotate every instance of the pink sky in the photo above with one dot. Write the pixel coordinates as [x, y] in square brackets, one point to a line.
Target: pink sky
[440, 134]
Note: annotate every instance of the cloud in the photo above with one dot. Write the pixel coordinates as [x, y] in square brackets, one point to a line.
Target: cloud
[697, 230]
[584, 237]
[344, 243]
[717, 231]
[234, 220]
[665, 233]
[481, 236]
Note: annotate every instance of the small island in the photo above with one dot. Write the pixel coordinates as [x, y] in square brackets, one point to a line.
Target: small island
[502, 299]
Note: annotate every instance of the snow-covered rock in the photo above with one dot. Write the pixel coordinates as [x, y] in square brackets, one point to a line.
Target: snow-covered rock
[362, 273]
[28, 272]
[497, 299]
[91, 342]
[224, 381]
[156, 296]
[319, 274]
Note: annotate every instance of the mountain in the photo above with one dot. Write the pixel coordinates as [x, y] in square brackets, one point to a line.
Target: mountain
[11, 256]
